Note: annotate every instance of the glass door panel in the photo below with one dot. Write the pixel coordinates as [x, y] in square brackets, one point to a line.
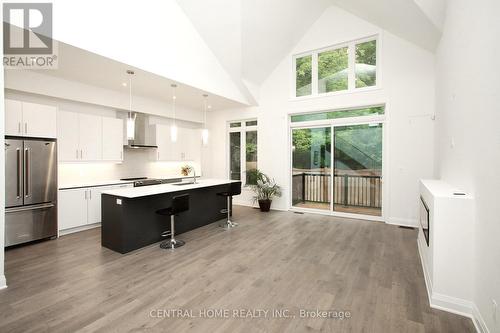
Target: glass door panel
[311, 167]
[357, 185]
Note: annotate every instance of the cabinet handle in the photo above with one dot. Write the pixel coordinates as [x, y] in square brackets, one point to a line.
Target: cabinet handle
[76, 153]
[25, 128]
[81, 154]
[85, 194]
[90, 194]
[121, 155]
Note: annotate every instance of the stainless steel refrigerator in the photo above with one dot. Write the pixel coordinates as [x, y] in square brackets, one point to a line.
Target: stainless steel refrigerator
[30, 190]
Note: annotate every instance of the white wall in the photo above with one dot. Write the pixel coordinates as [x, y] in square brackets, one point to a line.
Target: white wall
[407, 89]
[467, 133]
[2, 171]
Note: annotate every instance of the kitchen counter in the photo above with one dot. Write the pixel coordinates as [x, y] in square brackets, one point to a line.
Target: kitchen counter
[129, 219]
[95, 183]
[143, 191]
[68, 186]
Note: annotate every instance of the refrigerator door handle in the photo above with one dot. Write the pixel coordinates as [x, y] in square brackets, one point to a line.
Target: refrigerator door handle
[27, 173]
[19, 172]
[32, 207]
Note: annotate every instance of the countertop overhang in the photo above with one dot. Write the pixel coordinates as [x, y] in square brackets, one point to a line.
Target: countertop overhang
[143, 191]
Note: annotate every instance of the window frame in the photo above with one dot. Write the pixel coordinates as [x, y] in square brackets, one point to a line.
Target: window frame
[351, 61]
[243, 129]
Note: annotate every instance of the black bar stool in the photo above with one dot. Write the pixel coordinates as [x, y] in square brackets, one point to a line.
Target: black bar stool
[234, 189]
[180, 204]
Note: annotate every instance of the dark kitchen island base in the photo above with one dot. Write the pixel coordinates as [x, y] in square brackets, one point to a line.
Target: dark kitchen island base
[131, 223]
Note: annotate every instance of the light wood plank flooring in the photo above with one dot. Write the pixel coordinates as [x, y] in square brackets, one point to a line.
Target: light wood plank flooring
[278, 260]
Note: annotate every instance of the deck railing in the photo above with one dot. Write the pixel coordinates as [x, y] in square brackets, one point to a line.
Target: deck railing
[349, 190]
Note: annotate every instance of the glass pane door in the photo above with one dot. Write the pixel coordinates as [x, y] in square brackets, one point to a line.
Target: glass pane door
[311, 167]
[357, 186]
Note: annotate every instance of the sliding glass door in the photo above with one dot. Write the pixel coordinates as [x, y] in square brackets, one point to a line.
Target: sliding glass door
[311, 167]
[357, 169]
[338, 168]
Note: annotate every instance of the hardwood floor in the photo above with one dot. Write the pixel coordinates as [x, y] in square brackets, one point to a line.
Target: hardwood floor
[278, 260]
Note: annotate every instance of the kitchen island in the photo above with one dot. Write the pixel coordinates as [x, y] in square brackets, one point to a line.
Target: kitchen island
[129, 219]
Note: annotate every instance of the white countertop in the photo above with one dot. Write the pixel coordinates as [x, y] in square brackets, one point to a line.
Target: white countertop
[136, 192]
[94, 183]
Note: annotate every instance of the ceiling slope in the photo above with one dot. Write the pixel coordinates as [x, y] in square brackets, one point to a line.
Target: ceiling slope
[155, 36]
[403, 18]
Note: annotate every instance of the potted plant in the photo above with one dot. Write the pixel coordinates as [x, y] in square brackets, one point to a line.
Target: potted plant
[265, 190]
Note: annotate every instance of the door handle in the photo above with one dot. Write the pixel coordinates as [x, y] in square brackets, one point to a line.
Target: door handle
[27, 173]
[19, 172]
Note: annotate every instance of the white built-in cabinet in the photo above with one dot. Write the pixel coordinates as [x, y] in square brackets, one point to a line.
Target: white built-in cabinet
[112, 143]
[30, 119]
[79, 208]
[84, 137]
[186, 148]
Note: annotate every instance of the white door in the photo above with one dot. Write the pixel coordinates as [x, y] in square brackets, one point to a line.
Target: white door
[165, 145]
[13, 117]
[94, 208]
[193, 145]
[90, 137]
[39, 120]
[72, 208]
[112, 139]
[67, 134]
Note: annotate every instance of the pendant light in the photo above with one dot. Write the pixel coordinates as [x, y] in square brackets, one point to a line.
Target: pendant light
[173, 128]
[131, 115]
[204, 131]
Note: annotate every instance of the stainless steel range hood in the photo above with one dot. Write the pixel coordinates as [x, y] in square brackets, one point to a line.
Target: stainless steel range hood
[143, 137]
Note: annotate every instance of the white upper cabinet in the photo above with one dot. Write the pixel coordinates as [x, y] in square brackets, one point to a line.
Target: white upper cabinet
[112, 143]
[13, 117]
[30, 119]
[68, 138]
[186, 148]
[79, 137]
[90, 137]
[39, 120]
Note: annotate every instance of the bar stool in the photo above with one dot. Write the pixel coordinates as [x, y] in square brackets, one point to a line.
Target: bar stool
[180, 203]
[234, 189]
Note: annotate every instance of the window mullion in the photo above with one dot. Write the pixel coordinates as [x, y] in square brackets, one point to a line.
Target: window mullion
[314, 73]
[352, 64]
[243, 157]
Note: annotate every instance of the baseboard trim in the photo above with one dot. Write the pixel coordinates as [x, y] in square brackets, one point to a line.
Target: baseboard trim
[246, 204]
[402, 222]
[451, 304]
[78, 229]
[3, 282]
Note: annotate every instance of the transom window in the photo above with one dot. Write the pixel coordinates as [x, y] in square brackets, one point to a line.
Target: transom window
[347, 113]
[243, 151]
[344, 67]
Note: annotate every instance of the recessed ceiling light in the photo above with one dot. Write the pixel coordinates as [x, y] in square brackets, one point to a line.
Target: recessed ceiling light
[210, 106]
[124, 84]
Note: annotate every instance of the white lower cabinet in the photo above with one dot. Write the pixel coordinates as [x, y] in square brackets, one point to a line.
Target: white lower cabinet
[81, 207]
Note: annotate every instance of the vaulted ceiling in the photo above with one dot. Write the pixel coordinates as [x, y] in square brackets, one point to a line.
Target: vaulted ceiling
[250, 37]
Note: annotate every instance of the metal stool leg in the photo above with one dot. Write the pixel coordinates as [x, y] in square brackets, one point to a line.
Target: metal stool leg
[229, 224]
[172, 243]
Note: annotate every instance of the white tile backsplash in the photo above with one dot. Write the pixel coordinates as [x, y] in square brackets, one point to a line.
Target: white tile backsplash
[136, 163]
